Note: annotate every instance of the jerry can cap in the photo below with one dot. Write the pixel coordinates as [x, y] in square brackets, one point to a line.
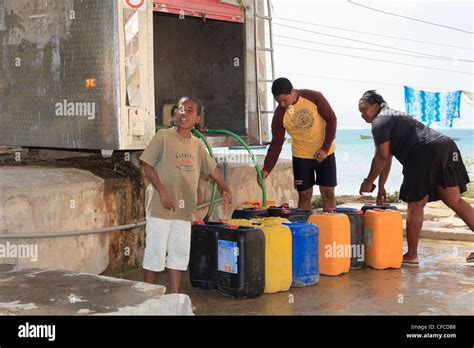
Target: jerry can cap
[286, 205]
[199, 222]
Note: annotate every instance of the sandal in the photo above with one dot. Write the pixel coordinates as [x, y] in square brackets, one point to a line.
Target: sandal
[411, 263]
[470, 258]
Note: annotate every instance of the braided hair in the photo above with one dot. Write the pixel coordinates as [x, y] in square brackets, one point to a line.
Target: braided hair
[372, 97]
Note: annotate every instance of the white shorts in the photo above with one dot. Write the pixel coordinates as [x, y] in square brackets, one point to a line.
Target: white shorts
[167, 244]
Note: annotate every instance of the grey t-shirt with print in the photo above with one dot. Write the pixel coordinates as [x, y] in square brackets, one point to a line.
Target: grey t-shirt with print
[403, 131]
[179, 162]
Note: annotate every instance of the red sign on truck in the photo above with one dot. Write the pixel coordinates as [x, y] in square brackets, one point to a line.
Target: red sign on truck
[139, 5]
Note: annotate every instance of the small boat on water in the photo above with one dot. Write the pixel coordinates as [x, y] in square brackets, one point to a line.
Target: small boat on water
[365, 137]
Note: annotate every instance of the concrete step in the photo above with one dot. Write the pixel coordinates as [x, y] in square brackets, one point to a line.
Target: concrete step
[56, 292]
[432, 230]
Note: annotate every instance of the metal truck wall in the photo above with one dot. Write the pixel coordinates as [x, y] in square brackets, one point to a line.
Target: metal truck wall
[205, 59]
[49, 50]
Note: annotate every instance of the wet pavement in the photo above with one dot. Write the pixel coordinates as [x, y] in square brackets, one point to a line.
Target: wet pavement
[442, 285]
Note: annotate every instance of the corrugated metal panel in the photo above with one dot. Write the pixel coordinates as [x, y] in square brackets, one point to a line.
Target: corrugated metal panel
[212, 9]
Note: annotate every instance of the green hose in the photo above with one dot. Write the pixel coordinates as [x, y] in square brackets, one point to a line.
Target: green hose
[214, 185]
[255, 162]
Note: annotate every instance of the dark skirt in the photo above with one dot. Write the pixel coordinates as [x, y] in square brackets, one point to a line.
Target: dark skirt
[431, 165]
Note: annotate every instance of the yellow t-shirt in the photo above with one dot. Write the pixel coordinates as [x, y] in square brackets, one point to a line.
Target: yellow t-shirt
[306, 127]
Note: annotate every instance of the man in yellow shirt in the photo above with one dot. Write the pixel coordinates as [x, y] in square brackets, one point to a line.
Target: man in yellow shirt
[310, 121]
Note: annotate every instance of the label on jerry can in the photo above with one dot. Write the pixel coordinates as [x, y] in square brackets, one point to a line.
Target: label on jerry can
[227, 254]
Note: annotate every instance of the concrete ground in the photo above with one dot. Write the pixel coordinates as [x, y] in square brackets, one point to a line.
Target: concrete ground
[53, 292]
[442, 285]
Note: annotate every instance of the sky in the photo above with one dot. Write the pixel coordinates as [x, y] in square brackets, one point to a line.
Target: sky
[328, 71]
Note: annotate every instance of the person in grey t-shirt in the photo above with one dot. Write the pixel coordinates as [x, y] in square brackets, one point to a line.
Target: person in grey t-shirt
[432, 167]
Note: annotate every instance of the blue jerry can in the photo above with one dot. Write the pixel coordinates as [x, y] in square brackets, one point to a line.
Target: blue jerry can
[305, 253]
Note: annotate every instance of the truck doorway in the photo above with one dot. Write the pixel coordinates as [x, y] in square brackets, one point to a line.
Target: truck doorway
[203, 58]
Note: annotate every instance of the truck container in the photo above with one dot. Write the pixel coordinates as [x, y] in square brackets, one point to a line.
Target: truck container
[105, 74]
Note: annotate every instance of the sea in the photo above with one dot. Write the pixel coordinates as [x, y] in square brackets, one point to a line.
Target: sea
[354, 156]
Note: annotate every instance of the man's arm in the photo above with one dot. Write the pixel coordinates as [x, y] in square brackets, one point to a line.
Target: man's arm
[278, 138]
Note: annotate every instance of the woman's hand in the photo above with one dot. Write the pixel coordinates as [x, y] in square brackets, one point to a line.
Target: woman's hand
[366, 187]
[381, 195]
[166, 200]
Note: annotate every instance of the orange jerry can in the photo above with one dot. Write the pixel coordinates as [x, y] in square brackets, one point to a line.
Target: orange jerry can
[383, 239]
[334, 242]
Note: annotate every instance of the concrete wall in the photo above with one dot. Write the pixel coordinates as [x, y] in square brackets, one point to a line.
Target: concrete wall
[39, 199]
[73, 194]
